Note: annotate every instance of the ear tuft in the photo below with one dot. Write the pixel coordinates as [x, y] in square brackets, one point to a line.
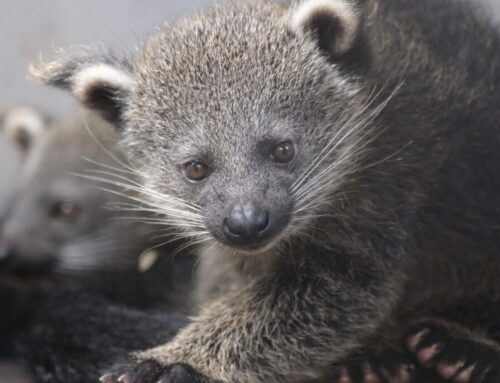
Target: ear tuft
[101, 81]
[334, 23]
[23, 126]
[102, 87]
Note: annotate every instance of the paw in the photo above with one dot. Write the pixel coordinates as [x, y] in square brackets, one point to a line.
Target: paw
[372, 370]
[455, 356]
[153, 372]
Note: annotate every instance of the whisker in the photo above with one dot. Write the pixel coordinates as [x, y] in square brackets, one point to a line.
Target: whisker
[328, 147]
[108, 152]
[307, 189]
[162, 209]
[388, 157]
[142, 190]
[133, 172]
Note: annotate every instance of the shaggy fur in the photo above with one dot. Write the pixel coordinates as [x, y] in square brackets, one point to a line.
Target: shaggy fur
[74, 336]
[388, 213]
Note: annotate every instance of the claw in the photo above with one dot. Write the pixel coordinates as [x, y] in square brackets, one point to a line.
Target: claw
[125, 379]
[369, 375]
[107, 378]
[465, 375]
[402, 374]
[448, 371]
[426, 355]
[344, 376]
[414, 341]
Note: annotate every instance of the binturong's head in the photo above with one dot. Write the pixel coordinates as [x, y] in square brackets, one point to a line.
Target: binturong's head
[239, 118]
[56, 220]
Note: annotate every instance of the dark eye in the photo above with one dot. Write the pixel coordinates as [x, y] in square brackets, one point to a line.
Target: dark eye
[23, 139]
[195, 170]
[65, 210]
[284, 152]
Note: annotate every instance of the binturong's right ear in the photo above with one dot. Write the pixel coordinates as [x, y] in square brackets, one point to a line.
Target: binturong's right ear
[333, 24]
[101, 81]
[24, 126]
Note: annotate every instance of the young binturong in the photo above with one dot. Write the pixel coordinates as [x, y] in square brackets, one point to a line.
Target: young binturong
[72, 260]
[70, 219]
[339, 159]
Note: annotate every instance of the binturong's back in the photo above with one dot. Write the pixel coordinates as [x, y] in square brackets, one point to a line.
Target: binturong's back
[444, 119]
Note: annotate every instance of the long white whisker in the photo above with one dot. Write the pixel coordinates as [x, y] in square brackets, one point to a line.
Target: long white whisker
[325, 152]
[180, 211]
[141, 190]
[388, 157]
[160, 222]
[306, 193]
[109, 153]
[133, 172]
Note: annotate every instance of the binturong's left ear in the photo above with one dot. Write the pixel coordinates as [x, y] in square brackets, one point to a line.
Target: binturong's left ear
[334, 24]
[101, 80]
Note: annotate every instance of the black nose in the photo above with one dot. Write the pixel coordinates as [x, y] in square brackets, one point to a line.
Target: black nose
[15, 263]
[6, 256]
[246, 223]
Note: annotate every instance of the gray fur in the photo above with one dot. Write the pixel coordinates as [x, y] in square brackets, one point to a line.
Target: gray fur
[393, 198]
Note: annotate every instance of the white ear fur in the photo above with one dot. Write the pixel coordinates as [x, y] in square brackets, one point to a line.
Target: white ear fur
[24, 124]
[87, 79]
[100, 79]
[342, 12]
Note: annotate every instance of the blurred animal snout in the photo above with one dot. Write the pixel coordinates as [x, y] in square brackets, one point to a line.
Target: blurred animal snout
[16, 263]
[6, 256]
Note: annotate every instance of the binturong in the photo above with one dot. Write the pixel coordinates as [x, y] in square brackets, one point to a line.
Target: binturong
[67, 247]
[65, 226]
[339, 159]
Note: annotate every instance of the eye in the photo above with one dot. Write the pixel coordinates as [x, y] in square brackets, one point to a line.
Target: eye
[23, 139]
[65, 210]
[284, 152]
[195, 170]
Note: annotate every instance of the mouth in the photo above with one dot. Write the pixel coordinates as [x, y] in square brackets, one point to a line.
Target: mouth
[20, 268]
[252, 248]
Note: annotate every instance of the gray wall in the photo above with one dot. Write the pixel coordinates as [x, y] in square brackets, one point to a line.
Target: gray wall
[31, 27]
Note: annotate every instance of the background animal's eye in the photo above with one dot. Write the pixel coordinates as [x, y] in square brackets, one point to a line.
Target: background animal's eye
[195, 170]
[284, 152]
[23, 139]
[65, 210]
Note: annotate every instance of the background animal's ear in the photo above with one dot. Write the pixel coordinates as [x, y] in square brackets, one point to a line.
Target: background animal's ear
[23, 126]
[100, 81]
[334, 23]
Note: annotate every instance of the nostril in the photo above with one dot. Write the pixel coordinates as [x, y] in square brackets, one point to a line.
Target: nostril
[230, 228]
[262, 221]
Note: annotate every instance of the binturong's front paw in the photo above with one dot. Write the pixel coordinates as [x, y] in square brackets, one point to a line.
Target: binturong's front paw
[372, 369]
[456, 355]
[150, 371]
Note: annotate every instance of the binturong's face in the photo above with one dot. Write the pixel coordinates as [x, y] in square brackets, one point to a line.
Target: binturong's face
[234, 118]
[57, 221]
